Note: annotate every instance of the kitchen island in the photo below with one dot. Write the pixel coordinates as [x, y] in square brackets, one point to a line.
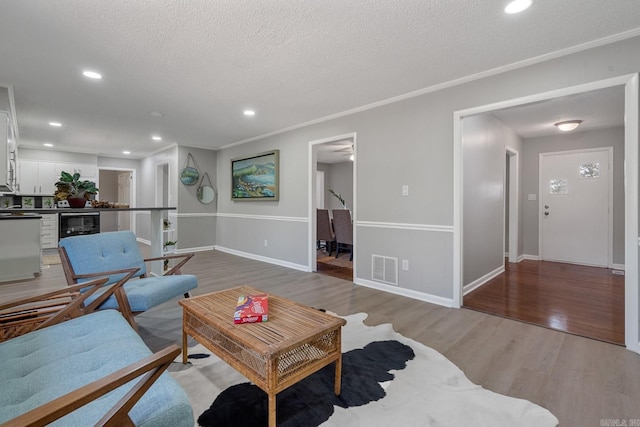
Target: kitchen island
[155, 230]
[19, 246]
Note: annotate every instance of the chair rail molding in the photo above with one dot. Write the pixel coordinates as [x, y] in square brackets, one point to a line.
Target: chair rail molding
[406, 226]
[263, 217]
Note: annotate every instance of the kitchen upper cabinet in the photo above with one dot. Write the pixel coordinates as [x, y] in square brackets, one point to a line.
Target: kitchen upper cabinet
[37, 177]
[7, 154]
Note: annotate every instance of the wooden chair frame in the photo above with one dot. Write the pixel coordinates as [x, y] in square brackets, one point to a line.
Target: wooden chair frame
[36, 312]
[120, 293]
[149, 369]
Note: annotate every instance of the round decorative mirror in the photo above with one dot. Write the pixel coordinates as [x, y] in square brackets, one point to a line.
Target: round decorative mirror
[206, 193]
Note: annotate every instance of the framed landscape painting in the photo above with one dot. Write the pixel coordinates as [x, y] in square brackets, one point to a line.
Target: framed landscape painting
[256, 177]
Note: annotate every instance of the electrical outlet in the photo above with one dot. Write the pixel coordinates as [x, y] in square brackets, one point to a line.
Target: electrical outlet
[266, 243]
[405, 264]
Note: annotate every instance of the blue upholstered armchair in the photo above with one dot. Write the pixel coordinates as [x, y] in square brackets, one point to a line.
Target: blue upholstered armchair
[116, 255]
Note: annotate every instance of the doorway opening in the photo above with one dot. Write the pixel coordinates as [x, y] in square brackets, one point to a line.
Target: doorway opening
[117, 185]
[332, 186]
[630, 307]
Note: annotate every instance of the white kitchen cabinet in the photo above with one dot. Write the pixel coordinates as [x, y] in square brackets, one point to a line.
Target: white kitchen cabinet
[19, 247]
[49, 232]
[37, 177]
[7, 154]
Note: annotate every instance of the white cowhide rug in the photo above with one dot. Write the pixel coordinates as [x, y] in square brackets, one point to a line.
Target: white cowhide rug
[428, 391]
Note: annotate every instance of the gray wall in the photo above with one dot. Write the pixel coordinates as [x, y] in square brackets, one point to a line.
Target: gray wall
[339, 178]
[196, 222]
[484, 142]
[108, 191]
[409, 142]
[612, 137]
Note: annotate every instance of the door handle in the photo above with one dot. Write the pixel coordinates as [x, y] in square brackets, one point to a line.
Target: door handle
[546, 213]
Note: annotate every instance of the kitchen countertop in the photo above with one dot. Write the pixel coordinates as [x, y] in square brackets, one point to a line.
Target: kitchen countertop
[79, 210]
[19, 216]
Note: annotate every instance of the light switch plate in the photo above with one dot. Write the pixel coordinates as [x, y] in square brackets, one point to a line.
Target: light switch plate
[531, 197]
[405, 190]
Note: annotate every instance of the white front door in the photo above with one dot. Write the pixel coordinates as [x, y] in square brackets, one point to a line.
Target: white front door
[575, 213]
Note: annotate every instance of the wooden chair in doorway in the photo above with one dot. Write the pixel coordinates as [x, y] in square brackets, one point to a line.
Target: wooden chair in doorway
[324, 231]
[343, 228]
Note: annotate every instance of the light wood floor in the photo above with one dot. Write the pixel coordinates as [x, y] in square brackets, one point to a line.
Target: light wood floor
[587, 301]
[582, 381]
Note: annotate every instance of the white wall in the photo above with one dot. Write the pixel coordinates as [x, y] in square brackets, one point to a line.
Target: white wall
[532, 147]
[146, 188]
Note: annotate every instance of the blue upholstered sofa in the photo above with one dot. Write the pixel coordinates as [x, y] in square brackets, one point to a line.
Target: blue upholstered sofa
[82, 354]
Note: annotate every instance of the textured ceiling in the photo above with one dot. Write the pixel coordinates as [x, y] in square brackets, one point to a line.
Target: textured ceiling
[202, 62]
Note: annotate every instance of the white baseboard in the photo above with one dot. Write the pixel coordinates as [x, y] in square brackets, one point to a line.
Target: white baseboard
[421, 296]
[263, 259]
[482, 280]
[529, 257]
[618, 267]
[143, 241]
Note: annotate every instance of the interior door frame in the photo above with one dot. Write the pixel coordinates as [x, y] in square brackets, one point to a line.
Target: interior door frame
[313, 169]
[631, 85]
[542, 187]
[514, 203]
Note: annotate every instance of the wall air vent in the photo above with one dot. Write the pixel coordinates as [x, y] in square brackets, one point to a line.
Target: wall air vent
[384, 269]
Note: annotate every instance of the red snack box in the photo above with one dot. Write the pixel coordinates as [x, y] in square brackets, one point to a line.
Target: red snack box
[252, 309]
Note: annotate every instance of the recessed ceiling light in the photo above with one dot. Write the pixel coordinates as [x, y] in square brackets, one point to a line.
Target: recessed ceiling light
[92, 74]
[126, 152]
[156, 138]
[517, 6]
[55, 124]
[568, 125]
[249, 113]
[48, 144]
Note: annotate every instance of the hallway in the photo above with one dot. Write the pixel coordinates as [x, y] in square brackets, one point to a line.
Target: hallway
[580, 300]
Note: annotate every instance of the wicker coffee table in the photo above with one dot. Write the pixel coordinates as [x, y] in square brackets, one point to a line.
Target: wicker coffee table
[295, 342]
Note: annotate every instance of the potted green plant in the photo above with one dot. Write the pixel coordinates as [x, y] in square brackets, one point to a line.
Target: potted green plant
[77, 191]
[170, 245]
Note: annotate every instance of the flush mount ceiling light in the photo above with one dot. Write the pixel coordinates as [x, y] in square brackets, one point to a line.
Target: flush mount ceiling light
[48, 144]
[156, 114]
[156, 138]
[517, 6]
[568, 125]
[249, 113]
[92, 74]
[55, 124]
[126, 152]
